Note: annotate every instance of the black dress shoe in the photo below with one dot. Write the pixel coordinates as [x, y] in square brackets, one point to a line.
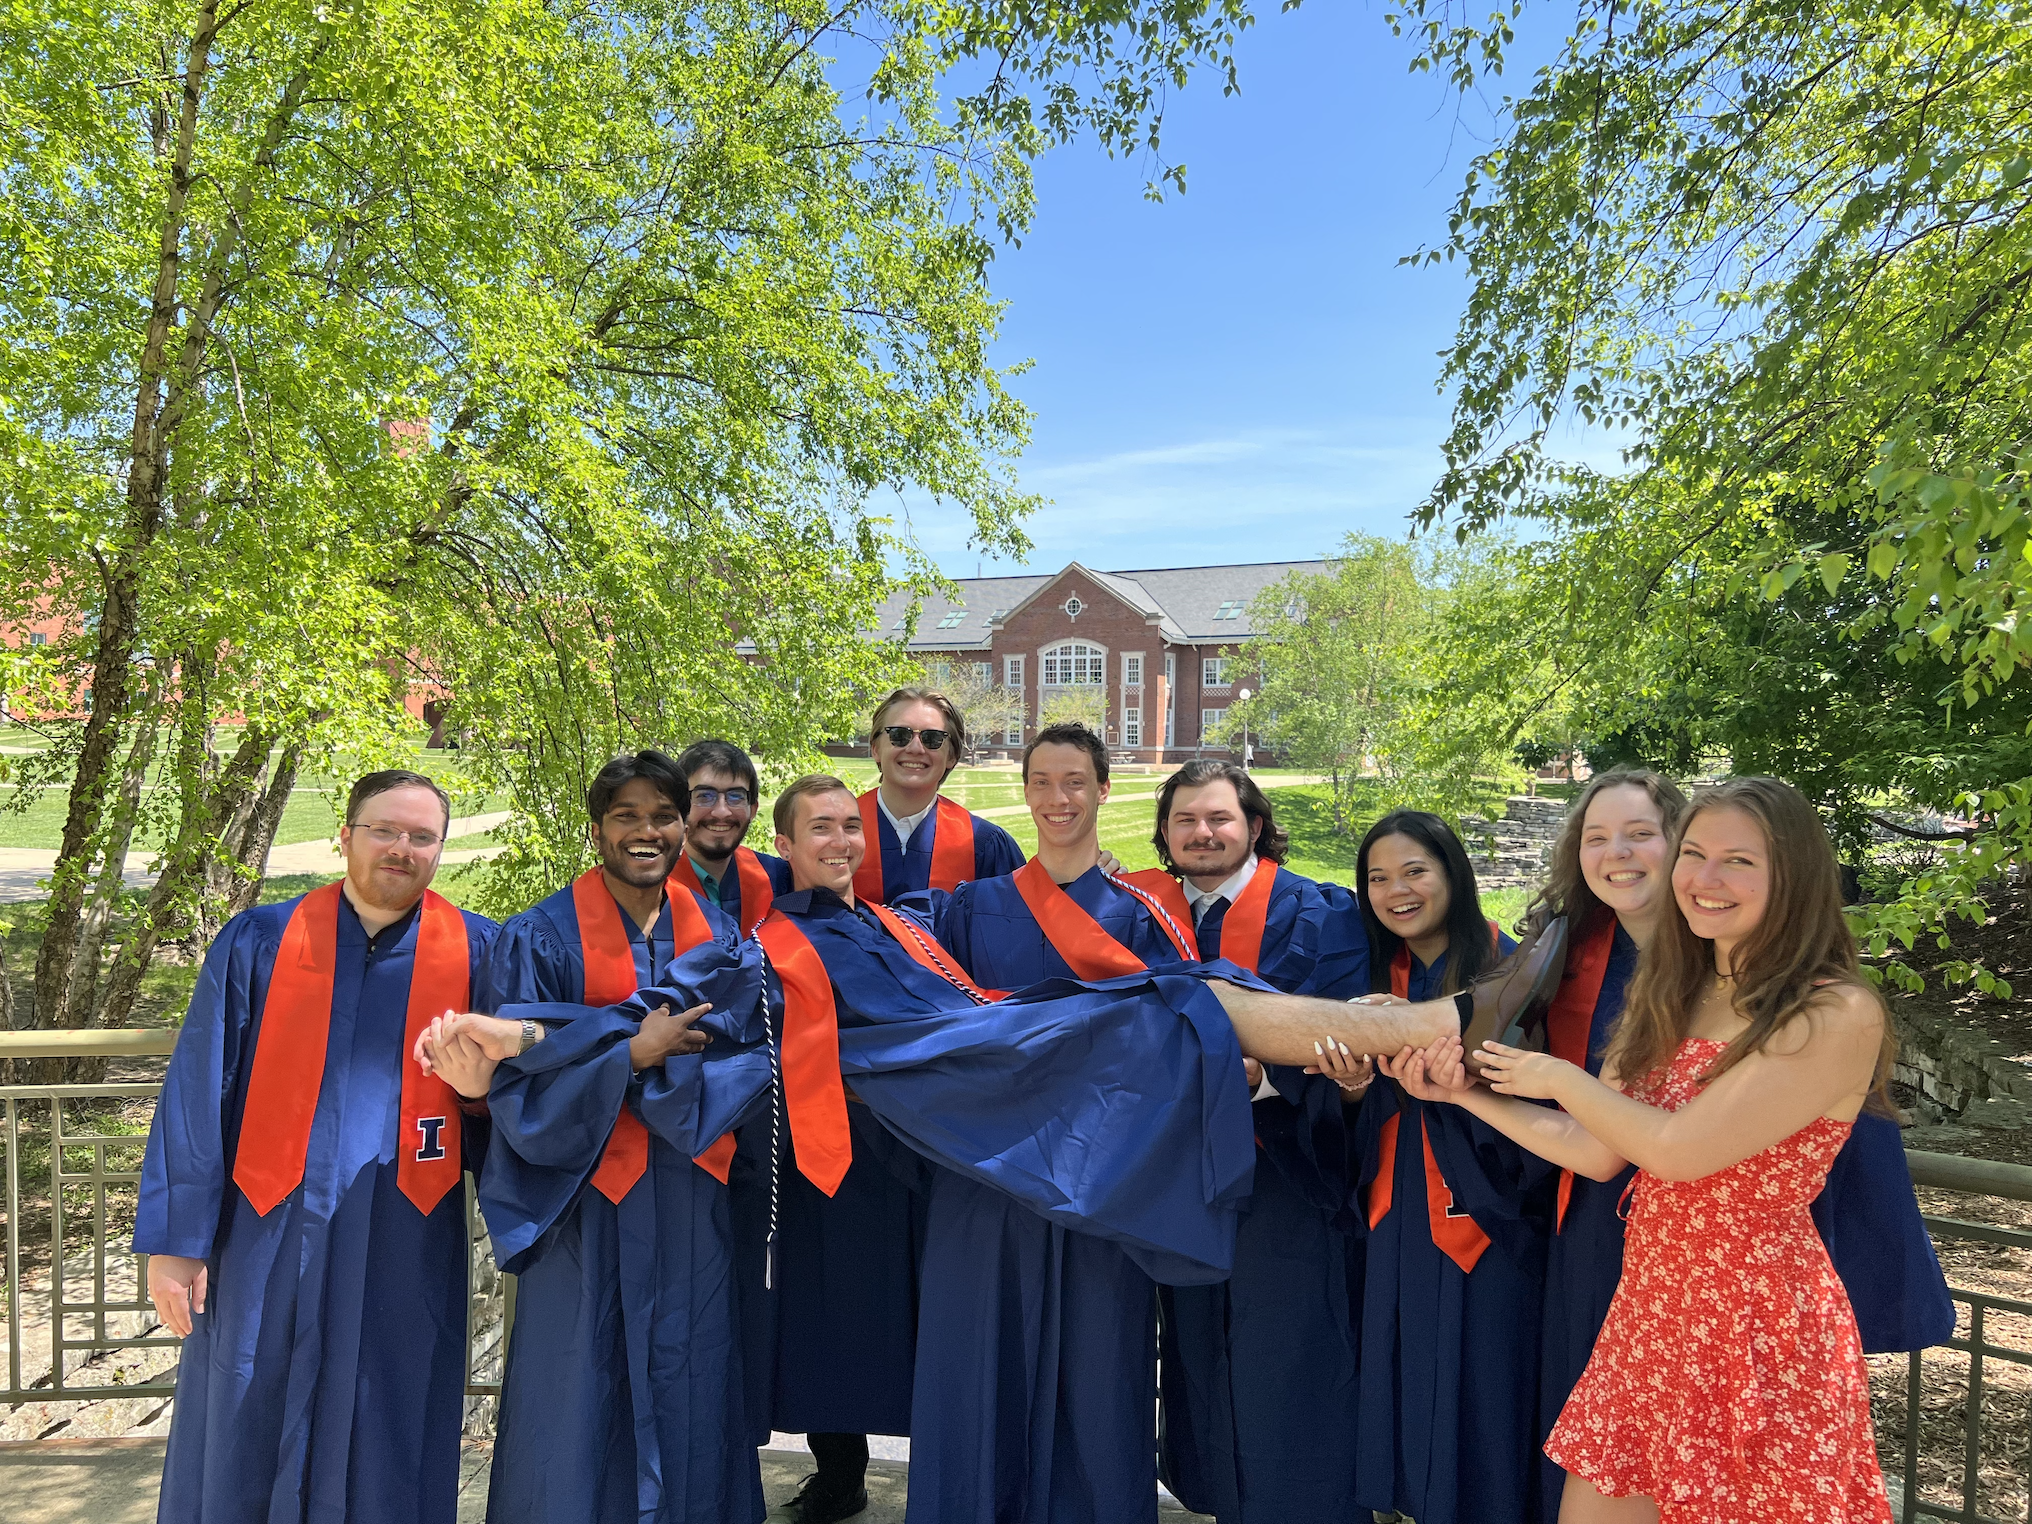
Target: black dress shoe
[1510, 1001]
[818, 1502]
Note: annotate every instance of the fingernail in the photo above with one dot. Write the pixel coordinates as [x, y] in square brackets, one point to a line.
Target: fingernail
[1344, 1049]
[1319, 1050]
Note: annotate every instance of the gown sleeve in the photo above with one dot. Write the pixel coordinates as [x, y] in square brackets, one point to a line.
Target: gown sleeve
[554, 1107]
[995, 850]
[187, 1168]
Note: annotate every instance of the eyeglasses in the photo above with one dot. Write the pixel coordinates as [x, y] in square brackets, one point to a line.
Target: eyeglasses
[386, 836]
[899, 735]
[711, 798]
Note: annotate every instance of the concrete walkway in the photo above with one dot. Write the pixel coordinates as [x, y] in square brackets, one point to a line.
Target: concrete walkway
[113, 1481]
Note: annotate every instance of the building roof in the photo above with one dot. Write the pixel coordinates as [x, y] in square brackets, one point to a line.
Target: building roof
[1193, 605]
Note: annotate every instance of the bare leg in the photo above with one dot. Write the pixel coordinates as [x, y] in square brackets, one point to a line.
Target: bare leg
[1581, 1504]
[1281, 1029]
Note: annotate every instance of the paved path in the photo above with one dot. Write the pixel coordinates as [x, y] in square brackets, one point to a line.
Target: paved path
[23, 870]
[113, 1481]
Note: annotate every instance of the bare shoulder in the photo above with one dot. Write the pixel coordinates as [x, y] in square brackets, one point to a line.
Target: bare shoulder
[1835, 1017]
[1845, 1010]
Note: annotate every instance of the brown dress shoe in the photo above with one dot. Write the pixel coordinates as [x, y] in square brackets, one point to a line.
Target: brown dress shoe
[1512, 998]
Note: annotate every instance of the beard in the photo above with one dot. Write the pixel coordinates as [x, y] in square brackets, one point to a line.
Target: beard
[638, 872]
[384, 894]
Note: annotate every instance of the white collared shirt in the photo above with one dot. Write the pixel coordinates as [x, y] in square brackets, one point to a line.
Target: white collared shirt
[1201, 900]
[904, 825]
[1228, 889]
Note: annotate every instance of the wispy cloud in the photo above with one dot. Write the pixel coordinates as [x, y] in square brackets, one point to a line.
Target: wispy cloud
[1283, 494]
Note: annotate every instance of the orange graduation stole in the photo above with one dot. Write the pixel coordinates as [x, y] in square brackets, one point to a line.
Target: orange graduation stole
[1241, 928]
[289, 1055]
[1080, 939]
[1454, 1231]
[1572, 1015]
[610, 979]
[757, 893]
[952, 849]
[814, 1096]
[928, 953]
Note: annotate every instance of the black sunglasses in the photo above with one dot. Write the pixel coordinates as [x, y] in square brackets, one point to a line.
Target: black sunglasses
[899, 735]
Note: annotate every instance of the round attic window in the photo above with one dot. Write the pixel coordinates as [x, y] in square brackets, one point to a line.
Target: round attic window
[1073, 607]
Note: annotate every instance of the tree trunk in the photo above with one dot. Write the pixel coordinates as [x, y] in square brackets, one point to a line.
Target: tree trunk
[119, 615]
[257, 835]
[204, 823]
[98, 912]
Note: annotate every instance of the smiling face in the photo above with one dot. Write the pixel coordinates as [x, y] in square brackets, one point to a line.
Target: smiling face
[827, 842]
[714, 829]
[914, 768]
[1064, 796]
[1407, 887]
[1623, 850]
[639, 837]
[1722, 879]
[392, 875]
[1207, 832]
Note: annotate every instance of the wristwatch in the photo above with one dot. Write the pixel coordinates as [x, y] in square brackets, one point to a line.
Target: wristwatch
[530, 1035]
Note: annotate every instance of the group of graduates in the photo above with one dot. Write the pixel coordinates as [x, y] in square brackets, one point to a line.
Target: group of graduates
[892, 1132]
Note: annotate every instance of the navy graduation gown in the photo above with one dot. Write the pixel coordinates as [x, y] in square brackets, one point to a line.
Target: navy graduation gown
[830, 1348]
[622, 1395]
[1112, 1113]
[1259, 1373]
[1037, 1347]
[909, 872]
[1584, 1257]
[325, 1380]
[1446, 1426]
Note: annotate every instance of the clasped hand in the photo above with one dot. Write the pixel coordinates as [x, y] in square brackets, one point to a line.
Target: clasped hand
[465, 1048]
[1440, 1072]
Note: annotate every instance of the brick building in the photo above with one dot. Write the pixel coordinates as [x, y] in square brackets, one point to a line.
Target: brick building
[1152, 642]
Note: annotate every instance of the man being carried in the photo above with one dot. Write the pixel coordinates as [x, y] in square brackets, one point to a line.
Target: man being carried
[725, 795]
[301, 1198]
[621, 1398]
[1259, 1371]
[917, 838]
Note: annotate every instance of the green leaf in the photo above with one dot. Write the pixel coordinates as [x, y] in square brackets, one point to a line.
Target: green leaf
[1832, 568]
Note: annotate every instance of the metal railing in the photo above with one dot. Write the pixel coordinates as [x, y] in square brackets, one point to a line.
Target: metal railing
[1984, 1177]
[92, 1293]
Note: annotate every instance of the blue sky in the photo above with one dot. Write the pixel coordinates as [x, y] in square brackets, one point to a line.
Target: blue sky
[1245, 372]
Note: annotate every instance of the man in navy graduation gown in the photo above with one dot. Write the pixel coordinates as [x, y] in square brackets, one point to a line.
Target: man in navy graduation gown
[1260, 1372]
[1036, 1371]
[621, 1396]
[827, 1280]
[725, 794]
[917, 838]
[324, 1361]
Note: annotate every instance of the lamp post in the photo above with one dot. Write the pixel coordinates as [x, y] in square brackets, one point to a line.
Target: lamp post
[1247, 755]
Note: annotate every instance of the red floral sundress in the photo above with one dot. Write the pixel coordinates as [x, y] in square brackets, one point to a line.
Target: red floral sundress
[1728, 1382]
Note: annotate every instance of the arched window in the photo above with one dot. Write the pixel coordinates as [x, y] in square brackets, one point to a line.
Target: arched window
[1074, 664]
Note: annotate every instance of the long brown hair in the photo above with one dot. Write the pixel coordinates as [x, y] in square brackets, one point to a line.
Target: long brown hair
[1802, 942]
[1565, 890]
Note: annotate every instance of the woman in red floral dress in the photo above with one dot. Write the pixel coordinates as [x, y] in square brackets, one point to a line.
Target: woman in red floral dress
[1728, 1383]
